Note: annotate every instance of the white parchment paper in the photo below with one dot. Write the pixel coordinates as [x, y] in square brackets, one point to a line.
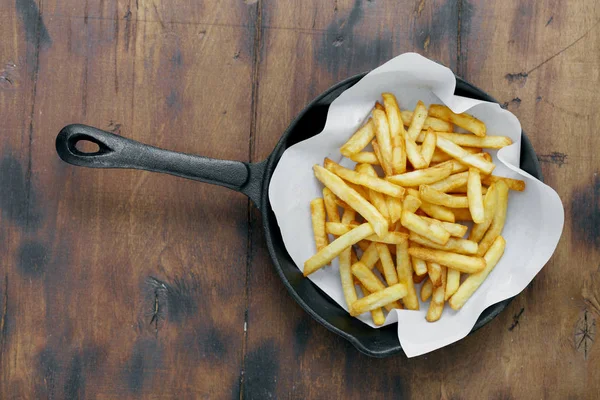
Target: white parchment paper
[535, 216]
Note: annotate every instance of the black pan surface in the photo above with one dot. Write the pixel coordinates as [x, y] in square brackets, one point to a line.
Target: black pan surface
[253, 180]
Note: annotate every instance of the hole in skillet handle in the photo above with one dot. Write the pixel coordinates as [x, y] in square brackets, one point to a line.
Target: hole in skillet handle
[83, 145]
[381, 342]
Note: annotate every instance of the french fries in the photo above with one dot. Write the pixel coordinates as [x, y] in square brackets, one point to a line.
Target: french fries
[418, 225]
[335, 248]
[450, 183]
[417, 122]
[382, 133]
[489, 207]
[452, 283]
[513, 184]
[378, 299]
[459, 262]
[359, 140]
[497, 224]
[462, 246]
[352, 198]
[364, 157]
[389, 270]
[331, 206]
[430, 122]
[428, 147]
[371, 282]
[405, 276]
[421, 177]
[464, 156]
[317, 211]
[346, 276]
[471, 141]
[465, 121]
[432, 177]
[474, 196]
[372, 182]
[472, 283]
[433, 196]
[376, 314]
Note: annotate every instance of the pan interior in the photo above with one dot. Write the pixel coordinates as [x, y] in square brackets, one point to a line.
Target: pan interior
[374, 342]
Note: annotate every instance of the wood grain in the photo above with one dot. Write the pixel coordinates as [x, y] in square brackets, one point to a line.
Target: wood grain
[122, 284]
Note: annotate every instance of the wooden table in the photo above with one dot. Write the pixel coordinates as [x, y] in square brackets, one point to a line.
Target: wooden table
[121, 284]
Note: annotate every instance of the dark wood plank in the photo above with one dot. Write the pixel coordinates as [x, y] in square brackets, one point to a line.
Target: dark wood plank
[127, 284]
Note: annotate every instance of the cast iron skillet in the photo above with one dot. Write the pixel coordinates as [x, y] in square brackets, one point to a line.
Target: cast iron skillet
[252, 179]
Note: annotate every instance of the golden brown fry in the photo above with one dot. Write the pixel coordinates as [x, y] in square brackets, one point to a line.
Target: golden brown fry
[463, 120]
[472, 283]
[464, 156]
[399, 154]
[359, 140]
[394, 206]
[393, 115]
[367, 277]
[365, 157]
[371, 182]
[460, 262]
[353, 199]
[434, 196]
[370, 256]
[474, 196]
[378, 299]
[389, 270]
[377, 313]
[457, 166]
[418, 120]
[418, 225]
[346, 276]
[489, 206]
[513, 184]
[463, 190]
[469, 141]
[413, 153]
[462, 214]
[382, 133]
[377, 199]
[439, 212]
[439, 156]
[363, 191]
[332, 250]
[338, 229]
[497, 224]
[450, 183]
[317, 213]
[419, 266]
[426, 289]
[379, 106]
[435, 273]
[430, 122]
[436, 306]
[452, 283]
[411, 203]
[456, 230]
[331, 205]
[421, 177]
[405, 276]
[462, 246]
[428, 147]
[387, 168]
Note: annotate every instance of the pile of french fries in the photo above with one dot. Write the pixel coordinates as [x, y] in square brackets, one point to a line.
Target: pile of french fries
[400, 206]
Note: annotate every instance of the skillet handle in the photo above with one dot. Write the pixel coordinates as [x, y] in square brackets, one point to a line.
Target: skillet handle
[119, 152]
